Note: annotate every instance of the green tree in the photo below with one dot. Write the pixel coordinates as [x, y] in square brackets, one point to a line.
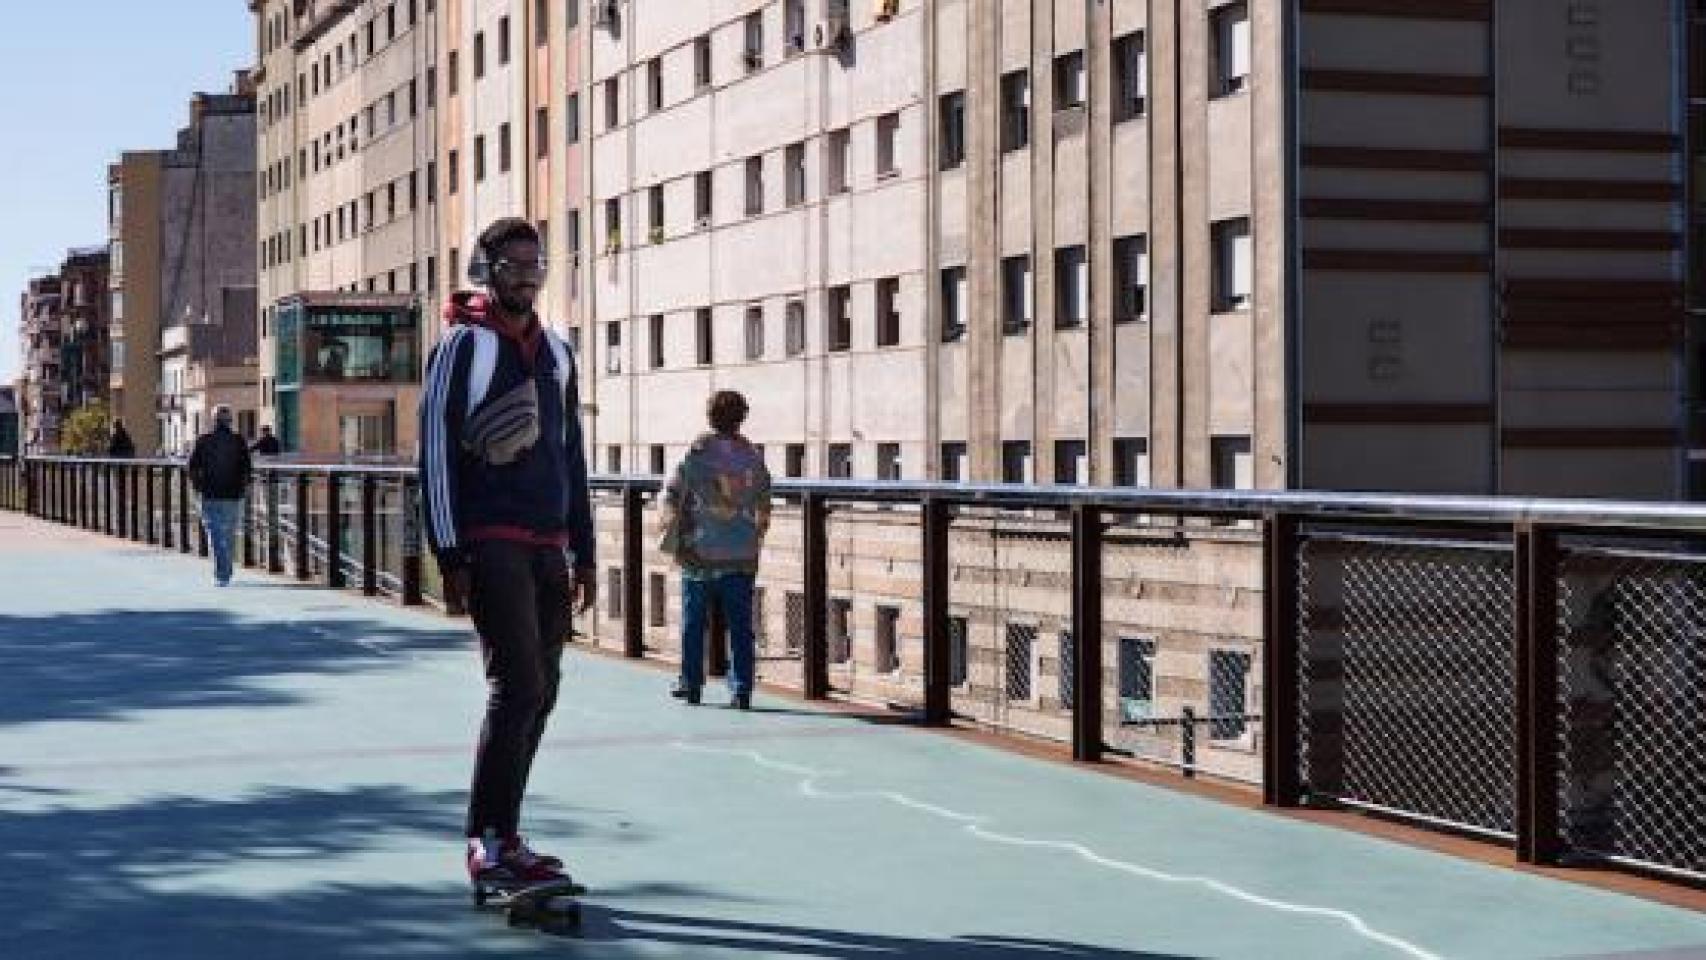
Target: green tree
[86, 431]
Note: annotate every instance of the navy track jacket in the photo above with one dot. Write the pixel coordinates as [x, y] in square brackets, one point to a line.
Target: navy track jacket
[541, 498]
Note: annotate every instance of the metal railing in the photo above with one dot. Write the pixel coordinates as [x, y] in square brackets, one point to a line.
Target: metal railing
[1528, 671]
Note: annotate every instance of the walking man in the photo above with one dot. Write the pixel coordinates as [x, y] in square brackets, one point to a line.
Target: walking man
[718, 507]
[220, 470]
[509, 518]
[267, 445]
[121, 446]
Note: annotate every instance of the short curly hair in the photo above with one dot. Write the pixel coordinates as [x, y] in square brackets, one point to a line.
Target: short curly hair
[726, 410]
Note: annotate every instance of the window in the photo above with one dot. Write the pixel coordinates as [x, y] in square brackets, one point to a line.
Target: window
[795, 174]
[1071, 465]
[572, 14]
[1021, 640]
[888, 312]
[654, 212]
[795, 460]
[794, 25]
[1016, 294]
[654, 84]
[760, 632]
[1229, 28]
[1072, 287]
[1230, 463]
[952, 116]
[479, 159]
[1131, 461]
[888, 650]
[452, 172]
[453, 72]
[613, 223]
[1016, 461]
[613, 590]
[1136, 678]
[959, 650]
[840, 465]
[888, 461]
[702, 199]
[1228, 694]
[953, 469]
[888, 131]
[794, 327]
[1065, 669]
[1233, 264]
[1015, 111]
[612, 106]
[656, 455]
[503, 40]
[1131, 78]
[655, 341]
[752, 51]
[613, 347]
[1069, 80]
[503, 148]
[479, 55]
[755, 332]
[658, 597]
[835, 162]
[839, 314]
[542, 133]
[573, 232]
[794, 620]
[702, 63]
[754, 186]
[703, 337]
[953, 304]
[1131, 278]
[572, 119]
[613, 459]
[840, 630]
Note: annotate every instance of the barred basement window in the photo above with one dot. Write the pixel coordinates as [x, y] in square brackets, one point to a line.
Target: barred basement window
[840, 630]
[614, 592]
[959, 650]
[794, 621]
[659, 596]
[1228, 692]
[1021, 640]
[1068, 653]
[1136, 678]
[760, 631]
[888, 649]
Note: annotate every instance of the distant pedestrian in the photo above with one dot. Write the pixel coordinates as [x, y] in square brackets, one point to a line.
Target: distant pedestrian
[267, 445]
[121, 446]
[718, 511]
[220, 470]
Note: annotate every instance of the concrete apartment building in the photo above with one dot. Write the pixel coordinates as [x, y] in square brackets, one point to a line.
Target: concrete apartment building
[64, 322]
[86, 311]
[348, 218]
[207, 339]
[134, 186]
[41, 390]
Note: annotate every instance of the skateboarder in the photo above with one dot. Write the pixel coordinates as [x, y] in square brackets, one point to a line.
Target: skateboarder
[510, 521]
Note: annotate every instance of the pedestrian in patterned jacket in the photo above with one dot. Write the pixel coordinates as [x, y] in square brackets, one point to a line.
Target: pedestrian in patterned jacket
[718, 507]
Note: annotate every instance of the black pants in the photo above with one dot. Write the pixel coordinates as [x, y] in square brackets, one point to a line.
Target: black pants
[520, 604]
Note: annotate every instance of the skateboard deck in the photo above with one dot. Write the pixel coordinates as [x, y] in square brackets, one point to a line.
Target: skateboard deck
[549, 907]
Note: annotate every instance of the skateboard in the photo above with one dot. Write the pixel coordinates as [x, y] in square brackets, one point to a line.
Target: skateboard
[549, 906]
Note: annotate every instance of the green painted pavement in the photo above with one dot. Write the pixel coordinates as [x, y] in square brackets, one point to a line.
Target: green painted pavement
[273, 771]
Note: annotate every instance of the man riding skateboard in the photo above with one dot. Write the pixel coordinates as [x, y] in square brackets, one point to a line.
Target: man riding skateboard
[509, 519]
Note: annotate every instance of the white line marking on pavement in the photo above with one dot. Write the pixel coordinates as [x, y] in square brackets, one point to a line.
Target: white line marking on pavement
[975, 826]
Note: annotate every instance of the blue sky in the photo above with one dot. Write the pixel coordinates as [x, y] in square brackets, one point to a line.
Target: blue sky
[85, 80]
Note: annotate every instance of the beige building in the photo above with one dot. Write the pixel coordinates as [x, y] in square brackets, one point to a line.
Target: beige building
[348, 192]
[133, 211]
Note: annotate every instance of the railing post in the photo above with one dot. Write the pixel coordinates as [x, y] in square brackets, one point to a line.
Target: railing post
[1086, 633]
[130, 495]
[1535, 562]
[168, 534]
[814, 519]
[369, 535]
[275, 550]
[148, 497]
[1282, 742]
[183, 507]
[121, 501]
[334, 531]
[1188, 741]
[633, 556]
[303, 482]
[249, 554]
[411, 541]
[29, 488]
[938, 638]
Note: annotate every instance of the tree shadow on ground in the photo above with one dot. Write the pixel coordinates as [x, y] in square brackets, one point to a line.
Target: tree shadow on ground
[95, 666]
[293, 873]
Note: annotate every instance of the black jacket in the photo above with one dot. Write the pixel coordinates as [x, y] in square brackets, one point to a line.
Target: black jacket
[121, 446]
[220, 467]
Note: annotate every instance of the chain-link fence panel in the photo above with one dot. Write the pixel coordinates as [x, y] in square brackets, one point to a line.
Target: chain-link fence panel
[1010, 620]
[1408, 680]
[1182, 647]
[1632, 696]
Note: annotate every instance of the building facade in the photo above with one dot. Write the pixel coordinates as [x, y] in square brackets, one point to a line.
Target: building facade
[134, 195]
[9, 446]
[207, 268]
[41, 388]
[348, 191]
[85, 366]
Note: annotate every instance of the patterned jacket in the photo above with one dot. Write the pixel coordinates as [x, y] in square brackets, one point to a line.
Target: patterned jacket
[718, 506]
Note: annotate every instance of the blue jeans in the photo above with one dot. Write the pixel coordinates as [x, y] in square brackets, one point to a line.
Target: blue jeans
[732, 592]
[219, 519]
